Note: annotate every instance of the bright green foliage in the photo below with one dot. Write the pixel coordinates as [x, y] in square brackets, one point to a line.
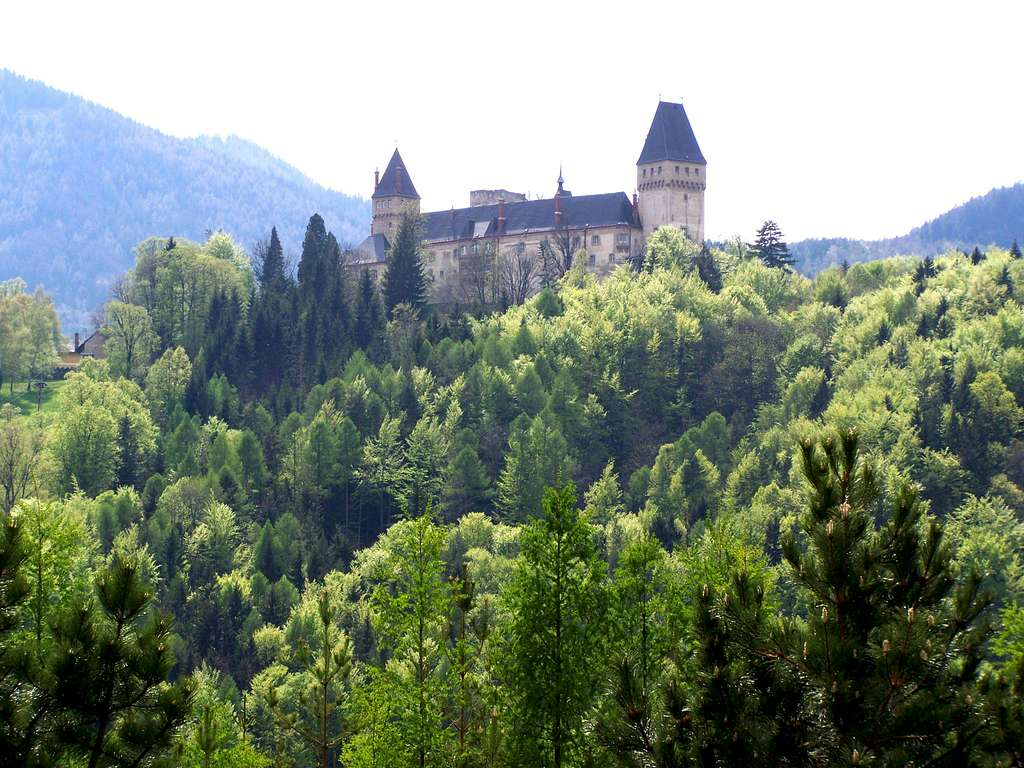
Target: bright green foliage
[324, 669]
[556, 603]
[130, 339]
[411, 602]
[166, 382]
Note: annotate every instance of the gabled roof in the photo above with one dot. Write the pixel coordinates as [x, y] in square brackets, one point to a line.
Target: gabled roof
[396, 181]
[578, 211]
[671, 137]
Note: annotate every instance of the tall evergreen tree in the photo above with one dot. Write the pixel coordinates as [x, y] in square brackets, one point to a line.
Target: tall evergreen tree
[771, 248]
[556, 604]
[271, 269]
[1015, 250]
[404, 280]
[314, 246]
[976, 256]
[369, 316]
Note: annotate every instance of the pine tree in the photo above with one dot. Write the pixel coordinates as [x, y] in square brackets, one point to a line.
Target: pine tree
[1015, 250]
[404, 281]
[107, 678]
[976, 256]
[771, 248]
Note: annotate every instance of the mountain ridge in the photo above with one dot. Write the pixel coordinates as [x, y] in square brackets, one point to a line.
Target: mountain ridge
[81, 185]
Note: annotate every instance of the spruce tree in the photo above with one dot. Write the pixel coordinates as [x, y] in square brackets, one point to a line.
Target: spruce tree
[707, 269]
[771, 248]
[976, 256]
[369, 316]
[1015, 250]
[314, 246]
[404, 281]
[271, 271]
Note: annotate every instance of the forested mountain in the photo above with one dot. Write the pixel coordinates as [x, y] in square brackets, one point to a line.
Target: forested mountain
[996, 218]
[704, 512]
[80, 185]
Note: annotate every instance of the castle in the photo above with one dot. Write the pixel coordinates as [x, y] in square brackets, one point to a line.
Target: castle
[504, 236]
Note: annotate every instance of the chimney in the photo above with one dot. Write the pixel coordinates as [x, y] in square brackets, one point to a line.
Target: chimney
[501, 215]
[376, 178]
[76, 341]
[636, 209]
[558, 211]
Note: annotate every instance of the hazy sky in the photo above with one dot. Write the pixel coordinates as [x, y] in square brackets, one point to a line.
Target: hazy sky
[860, 119]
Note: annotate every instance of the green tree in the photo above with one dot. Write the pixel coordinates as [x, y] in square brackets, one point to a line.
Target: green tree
[404, 281]
[556, 604]
[411, 605]
[107, 678]
[326, 667]
[130, 338]
[771, 248]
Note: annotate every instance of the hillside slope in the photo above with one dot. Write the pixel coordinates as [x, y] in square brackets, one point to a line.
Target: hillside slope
[80, 185]
[995, 218]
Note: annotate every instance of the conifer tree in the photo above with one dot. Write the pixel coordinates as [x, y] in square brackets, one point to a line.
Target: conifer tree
[404, 281]
[771, 248]
[1015, 250]
[976, 256]
[106, 681]
[369, 316]
[552, 646]
[314, 246]
[271, 270]
[326, 667]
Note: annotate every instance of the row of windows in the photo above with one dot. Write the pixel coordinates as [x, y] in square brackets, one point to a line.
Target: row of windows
[696, 171]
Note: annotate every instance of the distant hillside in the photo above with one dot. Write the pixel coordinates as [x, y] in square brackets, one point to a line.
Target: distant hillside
[996, 218]
[80, 185]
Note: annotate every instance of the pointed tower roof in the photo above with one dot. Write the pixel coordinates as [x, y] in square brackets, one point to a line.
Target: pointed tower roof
[671, 137]
[395, 182]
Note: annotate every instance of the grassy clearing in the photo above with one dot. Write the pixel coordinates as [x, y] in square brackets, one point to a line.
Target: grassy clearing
[27, 401]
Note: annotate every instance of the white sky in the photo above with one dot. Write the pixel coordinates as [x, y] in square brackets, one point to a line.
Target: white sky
[859, 119]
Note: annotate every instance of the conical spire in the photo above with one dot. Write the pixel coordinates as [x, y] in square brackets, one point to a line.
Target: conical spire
[396, 182]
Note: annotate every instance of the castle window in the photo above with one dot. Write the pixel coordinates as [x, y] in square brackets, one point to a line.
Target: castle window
[595, 240]
[593, 259]
[696, 171]
[442, 274]
[645, 173]
[659, 170]
[677, 169]
[686, 197]
[687, 170]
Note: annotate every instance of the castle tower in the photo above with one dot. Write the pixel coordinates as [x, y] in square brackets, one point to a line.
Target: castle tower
[393, 196]
[671, 175]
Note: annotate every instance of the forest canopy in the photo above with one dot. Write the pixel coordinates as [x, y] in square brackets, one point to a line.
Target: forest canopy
[706, 511]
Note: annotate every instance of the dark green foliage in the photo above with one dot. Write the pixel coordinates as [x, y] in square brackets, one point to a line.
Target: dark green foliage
[770, 247]
[404, 281]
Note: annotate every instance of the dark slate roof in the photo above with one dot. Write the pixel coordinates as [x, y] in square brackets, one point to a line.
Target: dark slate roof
[529, 216]
[671, 137]
[373, 250]
[396, 180]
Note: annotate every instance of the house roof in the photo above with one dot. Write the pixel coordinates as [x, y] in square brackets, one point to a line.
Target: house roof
[671, 137]
[396, 181]
[579, 211]
[373, 250]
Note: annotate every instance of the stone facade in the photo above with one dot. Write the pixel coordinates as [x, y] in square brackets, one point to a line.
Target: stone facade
[494, 247]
